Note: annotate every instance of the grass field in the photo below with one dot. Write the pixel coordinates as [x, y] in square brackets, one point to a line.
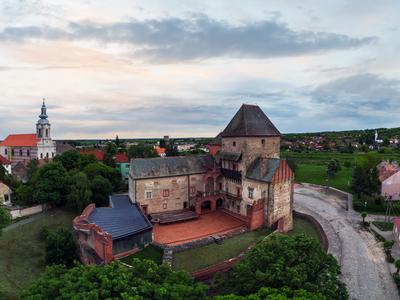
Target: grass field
[316, 174]
[302, 226]
[150, 252]
[202, 257]
[22, 251]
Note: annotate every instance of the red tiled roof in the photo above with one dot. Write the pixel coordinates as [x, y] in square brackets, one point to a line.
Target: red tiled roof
[20, 140]
[160, 150]
[4, 161]
[121, 158]
[99, 154]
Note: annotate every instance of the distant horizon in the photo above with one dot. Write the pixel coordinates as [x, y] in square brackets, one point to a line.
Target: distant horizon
[186, 67]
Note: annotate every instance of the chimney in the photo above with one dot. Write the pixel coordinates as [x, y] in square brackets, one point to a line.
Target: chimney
[263, 166]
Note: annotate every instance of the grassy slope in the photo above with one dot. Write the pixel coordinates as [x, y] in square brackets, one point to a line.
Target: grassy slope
[150, 252]
[198, 258]
[302, 226]
[22, 252]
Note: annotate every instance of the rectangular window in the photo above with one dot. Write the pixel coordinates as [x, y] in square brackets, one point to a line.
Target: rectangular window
[238, 192]
[149, 195]
[251, 193]
[165, 193]
[20, 152]
[28, 152]
[164, 206]
[192, 190]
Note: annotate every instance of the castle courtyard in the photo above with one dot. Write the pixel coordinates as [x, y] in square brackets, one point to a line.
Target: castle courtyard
[213, 223]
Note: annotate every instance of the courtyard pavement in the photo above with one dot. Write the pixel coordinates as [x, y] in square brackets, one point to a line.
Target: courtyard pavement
[212, 223]
[361, 257]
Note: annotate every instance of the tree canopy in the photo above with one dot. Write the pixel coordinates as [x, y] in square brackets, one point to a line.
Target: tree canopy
[60, 247]
[284, 261]
[5, 218]
[145, 280]
[141, 150]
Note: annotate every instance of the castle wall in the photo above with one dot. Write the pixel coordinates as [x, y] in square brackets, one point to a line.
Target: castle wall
[280, 205]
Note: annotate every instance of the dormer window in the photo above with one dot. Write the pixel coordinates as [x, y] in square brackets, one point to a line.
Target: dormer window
[234, 144]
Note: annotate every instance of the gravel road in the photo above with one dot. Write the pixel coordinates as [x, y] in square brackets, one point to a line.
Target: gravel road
[362, 260]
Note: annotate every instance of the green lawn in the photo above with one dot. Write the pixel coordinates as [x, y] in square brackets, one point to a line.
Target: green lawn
[22, 251]
[151, 252]
[384, 226]
[202, 257]
[316, 174]
[302, 226]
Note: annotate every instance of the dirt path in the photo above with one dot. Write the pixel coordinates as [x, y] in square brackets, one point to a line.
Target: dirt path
[362, 260]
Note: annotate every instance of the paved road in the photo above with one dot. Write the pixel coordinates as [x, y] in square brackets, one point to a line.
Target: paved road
[362, 260]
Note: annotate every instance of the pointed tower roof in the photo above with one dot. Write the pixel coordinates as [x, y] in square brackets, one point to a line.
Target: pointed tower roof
[43, 114]
[250, 120]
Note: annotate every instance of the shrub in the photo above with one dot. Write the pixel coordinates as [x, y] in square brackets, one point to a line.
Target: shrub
[60, 248]
[44, 232]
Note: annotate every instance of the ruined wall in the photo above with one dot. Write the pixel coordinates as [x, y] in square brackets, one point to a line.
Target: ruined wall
[280, 205]
[162, 201]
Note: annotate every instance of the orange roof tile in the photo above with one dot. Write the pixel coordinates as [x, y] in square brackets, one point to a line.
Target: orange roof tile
[4, 161]
[20, 140]
[159, 150]
[99, 154]
[121, 158]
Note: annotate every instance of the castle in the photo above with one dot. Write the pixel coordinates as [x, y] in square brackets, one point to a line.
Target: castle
[243, 179]
[243, 175]
[25, 147]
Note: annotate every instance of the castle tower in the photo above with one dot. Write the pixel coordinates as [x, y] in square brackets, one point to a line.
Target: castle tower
[43, 124]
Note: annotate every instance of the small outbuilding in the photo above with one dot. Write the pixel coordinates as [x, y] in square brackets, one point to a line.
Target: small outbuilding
[108, 233]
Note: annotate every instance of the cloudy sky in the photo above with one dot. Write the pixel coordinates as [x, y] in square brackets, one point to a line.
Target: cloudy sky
[149, 68]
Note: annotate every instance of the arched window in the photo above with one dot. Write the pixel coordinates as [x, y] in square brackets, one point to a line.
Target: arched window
[47, 155]
[41, 155]
[5, 151]
[20, 152]
[47, 133]
[28, 152]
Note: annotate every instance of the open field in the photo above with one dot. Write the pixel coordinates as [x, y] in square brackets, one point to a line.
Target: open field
[22, 251]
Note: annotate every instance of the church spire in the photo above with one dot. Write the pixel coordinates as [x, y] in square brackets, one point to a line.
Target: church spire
[43, 114]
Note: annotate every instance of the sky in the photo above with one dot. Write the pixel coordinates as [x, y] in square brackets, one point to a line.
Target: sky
[183, 68]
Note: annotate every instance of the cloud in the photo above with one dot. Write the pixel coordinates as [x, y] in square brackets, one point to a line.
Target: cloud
[200, 37]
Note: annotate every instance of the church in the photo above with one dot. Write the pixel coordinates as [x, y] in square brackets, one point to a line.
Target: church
[24, 147]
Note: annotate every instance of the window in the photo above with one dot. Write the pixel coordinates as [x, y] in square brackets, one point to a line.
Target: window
[185, 204]
[164, 206]
[234, 144]
[12, 152]
[28, 152]
[47, 155]
[251, 193]
[192, 189]
[263, 142]
[5, 151]
[149, 195]
[41, 155]
[165, 193]
[47, 133]
[52, 154]
[20, 152]
[238, 192]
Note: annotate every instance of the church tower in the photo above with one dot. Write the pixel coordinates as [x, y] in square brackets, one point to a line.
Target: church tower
[43, 124]
[46, 146]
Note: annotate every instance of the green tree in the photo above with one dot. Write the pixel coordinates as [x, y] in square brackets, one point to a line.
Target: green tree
[101, 190]
[141, 151]
[145, 280]
[111, 148]
[32, 168]
[80, 193]
[23, 195]
[51, 184]
[117, 141]
[273, 293]
[397, 265]
[85, 160]
[363, 216]
[284, 261]
[359, 181]
[60, 248]
[332, 168]
[112, 175]
[5, 218]
[171, 150]
[109, 160]
[292, 163]
[69, 159]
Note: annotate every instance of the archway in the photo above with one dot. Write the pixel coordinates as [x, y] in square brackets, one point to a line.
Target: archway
[220, 202]
[206, 206]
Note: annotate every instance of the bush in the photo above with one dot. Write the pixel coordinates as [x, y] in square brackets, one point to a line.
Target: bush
[60, 248]
[44, 232]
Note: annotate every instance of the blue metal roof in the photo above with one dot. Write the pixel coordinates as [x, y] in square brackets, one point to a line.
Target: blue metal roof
[122, 219]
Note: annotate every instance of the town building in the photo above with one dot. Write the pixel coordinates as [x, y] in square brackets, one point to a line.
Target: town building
[389, 176]
[122, 163]
[245, 178]
[5, 194]
[25, 147]
[6, 164]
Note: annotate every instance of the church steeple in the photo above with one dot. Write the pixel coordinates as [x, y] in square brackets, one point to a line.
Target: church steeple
[43, 114]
